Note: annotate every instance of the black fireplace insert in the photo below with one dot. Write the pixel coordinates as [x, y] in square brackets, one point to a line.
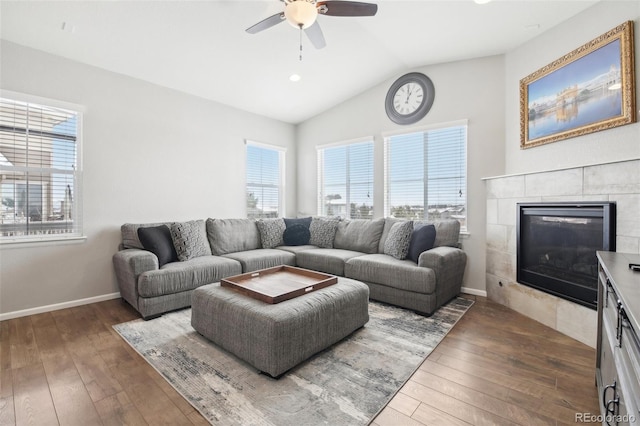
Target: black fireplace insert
[557, 244]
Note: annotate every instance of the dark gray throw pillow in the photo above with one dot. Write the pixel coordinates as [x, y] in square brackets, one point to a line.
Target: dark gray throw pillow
[296, 235]
[422, 239]
[157, 239]
[305, 221]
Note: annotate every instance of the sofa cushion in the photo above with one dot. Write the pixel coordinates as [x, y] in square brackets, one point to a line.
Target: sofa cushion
[447, 232]
[253, 260]
[323, 231]
[232, 235]
[398, 240]
[361, 235]
[296, 235]
[190, 239]
[422, 239]
[271, 231]
[296, 249]
[392, 272]
[329, 261]
[177, 277]
[157, 239]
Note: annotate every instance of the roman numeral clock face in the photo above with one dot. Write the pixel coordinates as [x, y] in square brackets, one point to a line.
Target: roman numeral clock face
[409, 98]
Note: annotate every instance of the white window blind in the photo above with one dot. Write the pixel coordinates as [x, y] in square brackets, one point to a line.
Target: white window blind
[426, 176]
[345, 180]
[265, 179]
[39, 172]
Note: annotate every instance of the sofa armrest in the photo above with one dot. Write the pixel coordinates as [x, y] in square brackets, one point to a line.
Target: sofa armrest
[437, 257]
[136, 261]
[129, 264]
[448, 263]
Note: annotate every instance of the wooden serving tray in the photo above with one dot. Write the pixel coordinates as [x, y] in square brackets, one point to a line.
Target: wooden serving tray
[280, 283]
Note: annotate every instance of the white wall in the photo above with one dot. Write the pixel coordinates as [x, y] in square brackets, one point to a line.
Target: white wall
[472, 90]
[150, 154]
[621, 143]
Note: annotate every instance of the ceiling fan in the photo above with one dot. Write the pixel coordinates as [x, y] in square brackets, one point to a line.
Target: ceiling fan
[303, 14]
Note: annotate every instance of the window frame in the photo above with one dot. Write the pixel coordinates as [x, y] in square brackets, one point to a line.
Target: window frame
[78, 234]
[320, 175]
[425, 129]
[282, 151]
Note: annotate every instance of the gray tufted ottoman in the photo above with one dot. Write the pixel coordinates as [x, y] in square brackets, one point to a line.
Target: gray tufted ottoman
[275, 338]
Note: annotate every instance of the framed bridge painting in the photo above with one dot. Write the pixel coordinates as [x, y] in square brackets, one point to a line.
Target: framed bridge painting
[585, 91]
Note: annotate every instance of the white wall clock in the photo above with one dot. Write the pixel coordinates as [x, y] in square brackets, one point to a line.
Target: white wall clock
[409, 98]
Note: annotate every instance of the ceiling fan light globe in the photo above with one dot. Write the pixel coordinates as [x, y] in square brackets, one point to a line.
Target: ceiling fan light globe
[301, 12]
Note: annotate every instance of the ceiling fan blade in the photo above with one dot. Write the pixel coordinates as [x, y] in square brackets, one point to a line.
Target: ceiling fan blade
[315, 35]
[266, 23]
[347, 8]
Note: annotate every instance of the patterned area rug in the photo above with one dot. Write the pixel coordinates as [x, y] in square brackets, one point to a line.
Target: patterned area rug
[347, 384]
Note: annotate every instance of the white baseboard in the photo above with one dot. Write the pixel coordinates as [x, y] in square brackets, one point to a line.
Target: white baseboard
[57, 306]
[474, 291]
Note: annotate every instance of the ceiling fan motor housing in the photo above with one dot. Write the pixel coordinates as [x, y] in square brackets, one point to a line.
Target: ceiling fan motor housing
[301, 13]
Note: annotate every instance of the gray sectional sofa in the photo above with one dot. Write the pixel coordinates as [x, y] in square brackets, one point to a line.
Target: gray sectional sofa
[357, 249]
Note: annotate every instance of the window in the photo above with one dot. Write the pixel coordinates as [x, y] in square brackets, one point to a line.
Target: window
[39, 171]
[425, 174]
[265, 177]
[345, 180]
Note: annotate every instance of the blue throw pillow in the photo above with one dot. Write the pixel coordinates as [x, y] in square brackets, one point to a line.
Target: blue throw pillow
[296, 235]
[157, 239]
[422, 239]
[306, 221]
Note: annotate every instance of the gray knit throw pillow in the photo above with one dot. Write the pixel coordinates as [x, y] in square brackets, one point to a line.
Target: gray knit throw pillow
[190, 239]
[323, 231]
[398, 240]
[271, 231]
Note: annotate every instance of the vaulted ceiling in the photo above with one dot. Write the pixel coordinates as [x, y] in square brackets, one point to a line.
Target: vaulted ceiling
[201, 47]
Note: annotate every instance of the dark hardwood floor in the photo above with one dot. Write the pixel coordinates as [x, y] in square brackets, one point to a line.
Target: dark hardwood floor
[495, 367]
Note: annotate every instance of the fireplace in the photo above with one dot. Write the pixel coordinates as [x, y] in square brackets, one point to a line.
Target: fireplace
[556, 247]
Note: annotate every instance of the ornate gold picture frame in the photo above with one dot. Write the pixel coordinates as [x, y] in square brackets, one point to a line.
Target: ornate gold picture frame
[585, 91]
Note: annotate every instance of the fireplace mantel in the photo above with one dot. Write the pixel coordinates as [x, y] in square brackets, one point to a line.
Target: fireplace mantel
[488, 178]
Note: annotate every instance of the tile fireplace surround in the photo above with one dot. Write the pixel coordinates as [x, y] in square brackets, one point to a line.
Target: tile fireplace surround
[618, 182]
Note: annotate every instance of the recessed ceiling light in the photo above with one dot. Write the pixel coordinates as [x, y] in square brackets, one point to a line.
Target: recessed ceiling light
[294, 77]
[68, 27]
[481, 1]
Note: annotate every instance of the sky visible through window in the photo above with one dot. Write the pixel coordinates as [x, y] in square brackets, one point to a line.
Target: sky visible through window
[426, 174]
[39, 146]
[348, 180]
[64, 158]
[263, 181]
[445, 168]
